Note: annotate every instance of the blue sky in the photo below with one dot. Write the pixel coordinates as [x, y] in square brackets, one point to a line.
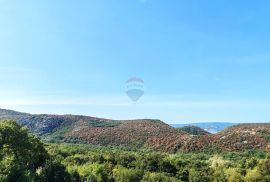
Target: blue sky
[200, 60]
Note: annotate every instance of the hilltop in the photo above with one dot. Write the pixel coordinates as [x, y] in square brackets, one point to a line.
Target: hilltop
[236, 138]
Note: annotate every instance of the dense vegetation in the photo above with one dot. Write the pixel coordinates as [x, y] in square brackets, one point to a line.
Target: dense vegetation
[116, 164]
[25, 158]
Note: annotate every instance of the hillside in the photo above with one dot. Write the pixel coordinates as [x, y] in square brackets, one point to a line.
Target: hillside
[236, 138]
[193, 130]
[153, 134]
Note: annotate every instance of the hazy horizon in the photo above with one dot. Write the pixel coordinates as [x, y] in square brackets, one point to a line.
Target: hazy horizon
[174, 123]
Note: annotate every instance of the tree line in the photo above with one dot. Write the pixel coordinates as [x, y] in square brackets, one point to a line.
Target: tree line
[25, 158]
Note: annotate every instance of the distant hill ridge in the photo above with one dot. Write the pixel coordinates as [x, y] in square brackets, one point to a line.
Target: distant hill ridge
[194, 130]
[85, 129]
[153, 134]
[211, 127]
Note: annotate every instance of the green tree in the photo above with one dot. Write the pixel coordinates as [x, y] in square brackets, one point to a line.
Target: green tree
[167, 167]
[183, 174]
[21, 153]
[234, 175]
[218, 164]
[261, 173]
[200, 175]
[264, 169]
[253, 176]
[158, 177]
[97, 172]
[53, 171]
[122, 174]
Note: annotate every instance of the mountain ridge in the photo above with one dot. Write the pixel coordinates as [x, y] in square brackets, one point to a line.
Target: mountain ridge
[153, 134]
[99, 131]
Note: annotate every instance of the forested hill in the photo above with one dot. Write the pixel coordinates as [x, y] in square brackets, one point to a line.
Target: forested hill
[153, 134]
[236, 138]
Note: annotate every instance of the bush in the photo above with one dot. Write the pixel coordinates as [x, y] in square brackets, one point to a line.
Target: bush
[158, 177]
[122, 174]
